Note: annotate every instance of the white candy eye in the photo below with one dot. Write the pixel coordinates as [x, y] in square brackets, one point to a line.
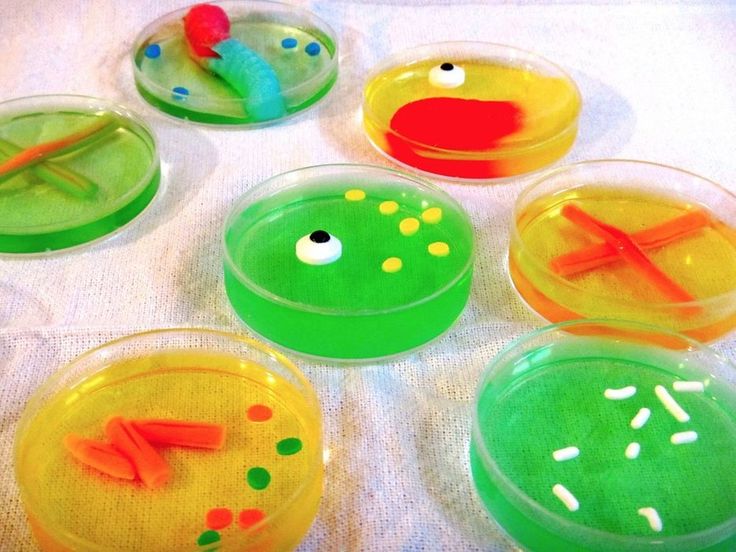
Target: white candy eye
[447, 75]
[318, 248]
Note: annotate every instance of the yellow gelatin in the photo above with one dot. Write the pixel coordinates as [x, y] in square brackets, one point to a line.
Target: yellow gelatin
[471, 110]
[260, 491]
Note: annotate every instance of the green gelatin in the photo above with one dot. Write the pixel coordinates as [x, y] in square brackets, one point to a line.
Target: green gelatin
[262, 26]
[552, 397]
[81, 192]
[361, 305]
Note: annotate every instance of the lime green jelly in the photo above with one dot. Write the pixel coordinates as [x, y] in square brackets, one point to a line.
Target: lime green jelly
[401, 278]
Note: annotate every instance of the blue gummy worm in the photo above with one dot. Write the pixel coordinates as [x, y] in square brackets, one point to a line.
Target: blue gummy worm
[251, 76]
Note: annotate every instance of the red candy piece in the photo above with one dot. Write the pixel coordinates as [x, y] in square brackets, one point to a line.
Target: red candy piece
[204, 26]
[248, 518]
[219, 518]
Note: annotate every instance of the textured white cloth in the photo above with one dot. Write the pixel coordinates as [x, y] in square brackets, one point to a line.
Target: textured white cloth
[658, 84]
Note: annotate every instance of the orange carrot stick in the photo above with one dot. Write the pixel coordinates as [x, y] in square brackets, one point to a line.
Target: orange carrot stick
[181, 433]
[39, 152]
[149, 464]
[629, 251]
[100, 456]
[598, 255]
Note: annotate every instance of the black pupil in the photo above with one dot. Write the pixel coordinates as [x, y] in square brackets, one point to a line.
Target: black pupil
[447, 66]
[319, 236]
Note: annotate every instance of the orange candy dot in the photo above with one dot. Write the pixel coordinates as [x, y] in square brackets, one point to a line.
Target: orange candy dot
[219, 518]
[248, 518]
[259, 413]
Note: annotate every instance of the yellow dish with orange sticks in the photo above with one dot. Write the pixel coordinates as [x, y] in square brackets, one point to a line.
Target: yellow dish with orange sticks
[172, 440]
[631, 241]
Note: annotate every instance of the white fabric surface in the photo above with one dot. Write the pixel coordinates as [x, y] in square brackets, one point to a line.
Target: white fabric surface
[658, 83]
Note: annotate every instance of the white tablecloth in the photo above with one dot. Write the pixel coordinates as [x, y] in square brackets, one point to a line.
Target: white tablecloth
[658, 83]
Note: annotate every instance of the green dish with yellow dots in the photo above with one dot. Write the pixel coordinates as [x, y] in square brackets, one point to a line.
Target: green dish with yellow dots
[348, 262]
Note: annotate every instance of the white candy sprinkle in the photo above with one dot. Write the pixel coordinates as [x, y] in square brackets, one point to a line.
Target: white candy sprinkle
[683, 437]
[671, 404]
[688, 386]
[655, 522]
[567, 453]
[632, 451]
[641, 418]
[620, 394]
[566, 497]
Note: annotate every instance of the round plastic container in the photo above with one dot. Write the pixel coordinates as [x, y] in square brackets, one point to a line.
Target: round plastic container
[281, 59]
[471, 110]
[627, 240]
[348, 262]
[259, 491]
[587, 438]
[72, 169]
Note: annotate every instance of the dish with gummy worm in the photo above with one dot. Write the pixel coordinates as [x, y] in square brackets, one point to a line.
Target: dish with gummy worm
[235, 62]
[347, 261]
[471, 110]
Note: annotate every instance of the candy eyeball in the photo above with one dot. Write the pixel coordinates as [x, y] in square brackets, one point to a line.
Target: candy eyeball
[447, 75]
[318, 248]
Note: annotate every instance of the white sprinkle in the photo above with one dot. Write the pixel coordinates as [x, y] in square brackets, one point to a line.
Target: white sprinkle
[655, 522]
[567, 498]
[620, 394]
[689, 386]
[671, 404]
[641, 418]
[567, 453]
[633, 450]
[683, 437]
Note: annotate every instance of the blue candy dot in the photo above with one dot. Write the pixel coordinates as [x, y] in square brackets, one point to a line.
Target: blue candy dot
[312, 49]
[153, 51]
[179, 92]
[289, 43]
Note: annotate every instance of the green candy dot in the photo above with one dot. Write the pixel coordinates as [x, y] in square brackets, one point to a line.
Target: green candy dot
[208, 537]
[258, 478]
[287, 447]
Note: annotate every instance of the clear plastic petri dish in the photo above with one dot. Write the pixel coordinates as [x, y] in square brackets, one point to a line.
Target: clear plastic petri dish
[588, 438]
[72, 169]
[627, 240]
[348, 262]
[226, 439]
[471, 110]
[251, 62]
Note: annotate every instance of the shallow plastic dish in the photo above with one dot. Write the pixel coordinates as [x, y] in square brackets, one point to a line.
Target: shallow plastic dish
[260, 491]
[588, 438]
[348, 262]
[471, 110]
[285, 44]
[98, 169]
[684, 275]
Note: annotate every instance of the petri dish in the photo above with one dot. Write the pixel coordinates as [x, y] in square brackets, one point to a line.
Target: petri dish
[588, 438]
[471, 110]
[247, 63]
[627, 240]
[258, 488]
[348, 262]
[72, 169]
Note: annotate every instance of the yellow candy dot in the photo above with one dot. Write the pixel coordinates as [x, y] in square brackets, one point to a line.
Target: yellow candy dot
[439, 249]
[388, 207]
[409, 226]
[392, 264]
[355, 195]
[432, 215]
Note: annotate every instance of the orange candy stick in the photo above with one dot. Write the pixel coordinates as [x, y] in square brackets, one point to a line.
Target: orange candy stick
[629, 251]
[149, 464]
[181, 433]
[39, 152]
[100, 456]
[598, 255]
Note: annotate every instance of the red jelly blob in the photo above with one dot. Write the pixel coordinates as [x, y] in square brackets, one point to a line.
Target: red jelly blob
[204, 26]
[219, 518]
[248, 518]
[422, 127]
